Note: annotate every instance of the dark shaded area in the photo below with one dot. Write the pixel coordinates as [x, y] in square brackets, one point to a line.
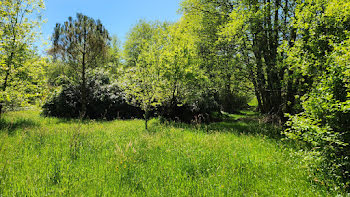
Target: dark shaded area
[250, 127]
[248, 124]
[11, 126]
[105, 99]
[205, 109]
[231, 101]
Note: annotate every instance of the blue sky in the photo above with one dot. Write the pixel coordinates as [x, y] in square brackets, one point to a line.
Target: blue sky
[118, 16]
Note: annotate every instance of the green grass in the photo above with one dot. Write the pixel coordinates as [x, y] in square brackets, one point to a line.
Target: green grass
[48, 156]
[253, 102]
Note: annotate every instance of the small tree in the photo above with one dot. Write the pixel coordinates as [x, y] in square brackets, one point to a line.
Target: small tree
[143, 81]
[82, 44]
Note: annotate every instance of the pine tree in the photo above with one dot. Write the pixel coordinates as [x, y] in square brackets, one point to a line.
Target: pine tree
[82, 44]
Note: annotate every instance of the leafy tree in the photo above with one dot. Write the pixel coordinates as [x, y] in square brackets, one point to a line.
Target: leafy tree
[258, 30]
[142, 79]
[30, 86]
[182, 76]
[18, 29]
[136, 38]
[114, 63]
[82, 44]
[217, 57]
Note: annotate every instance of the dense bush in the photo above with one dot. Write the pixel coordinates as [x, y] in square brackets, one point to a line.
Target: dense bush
[232, 102]
[202, 109]
[324, 125]
[105, 100]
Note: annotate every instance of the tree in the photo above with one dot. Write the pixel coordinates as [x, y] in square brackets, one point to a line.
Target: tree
[82, 44]
[18, 29]
[183, 78]
[136, 38]
[217, 57]
[28, 85]
[114, 55]
[143, 81]
[260, 30]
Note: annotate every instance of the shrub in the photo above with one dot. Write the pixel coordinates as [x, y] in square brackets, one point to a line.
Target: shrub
[324, 126]
[106, 100]
[201, 109]
[232, 102]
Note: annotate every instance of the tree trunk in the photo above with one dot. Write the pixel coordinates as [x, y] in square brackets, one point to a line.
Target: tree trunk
[9, 62]
[146, 119]
[4, 89]
[83, 91]
[83, 86]
[253, 77]
[0, 110]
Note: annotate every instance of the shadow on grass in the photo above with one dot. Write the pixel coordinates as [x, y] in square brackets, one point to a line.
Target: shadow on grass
[62, 120]
[11, 126]
[74, 121]
[249, 125]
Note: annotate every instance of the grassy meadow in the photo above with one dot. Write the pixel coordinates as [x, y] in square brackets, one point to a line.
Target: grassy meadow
[56, 157]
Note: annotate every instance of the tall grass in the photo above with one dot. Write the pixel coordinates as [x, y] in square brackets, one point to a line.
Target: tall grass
[48, 156]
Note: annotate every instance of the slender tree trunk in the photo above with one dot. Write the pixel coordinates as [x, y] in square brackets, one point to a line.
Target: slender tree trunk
[146, 118]
[83, 76]
[83, 90]
[256, 90]
[4, 89]
[278, 73]
[260, 77]
[9, 62]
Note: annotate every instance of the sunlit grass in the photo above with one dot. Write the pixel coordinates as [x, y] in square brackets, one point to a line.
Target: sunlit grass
[48, 156]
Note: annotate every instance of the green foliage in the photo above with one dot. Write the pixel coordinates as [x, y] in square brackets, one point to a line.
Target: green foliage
[114, 55]
[21, 71]
[142, 81]
[30, 88]
[83, 45]
[136, 39]
[291, 55]
[325, 122]
[183, 78]
[106, 100]
[217, 58]
[50, 156]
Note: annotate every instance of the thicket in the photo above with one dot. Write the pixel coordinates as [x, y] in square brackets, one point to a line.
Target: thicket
[105, 100]
[324, 123]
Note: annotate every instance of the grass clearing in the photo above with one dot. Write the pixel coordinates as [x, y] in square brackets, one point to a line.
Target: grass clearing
[48, 156]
